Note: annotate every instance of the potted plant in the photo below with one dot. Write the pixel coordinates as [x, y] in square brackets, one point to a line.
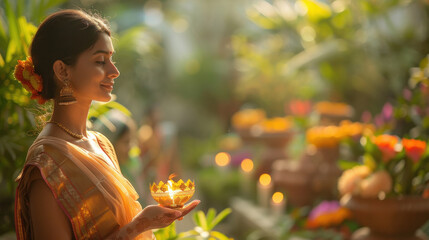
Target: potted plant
[386, 192]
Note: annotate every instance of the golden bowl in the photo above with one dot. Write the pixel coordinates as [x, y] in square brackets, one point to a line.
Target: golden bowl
[172, 194]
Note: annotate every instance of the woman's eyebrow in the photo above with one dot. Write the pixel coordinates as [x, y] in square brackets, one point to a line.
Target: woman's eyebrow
[104, 52]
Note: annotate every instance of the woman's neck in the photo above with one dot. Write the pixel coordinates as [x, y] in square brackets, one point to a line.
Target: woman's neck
[72, 116]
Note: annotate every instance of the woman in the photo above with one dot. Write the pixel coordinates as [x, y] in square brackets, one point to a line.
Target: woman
[71, 186]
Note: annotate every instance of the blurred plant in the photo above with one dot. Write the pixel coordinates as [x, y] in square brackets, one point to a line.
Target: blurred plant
[325, 221]
[18, 126]
[331, 136]
[218, 193]
[300, 110]
[336, 50]
[327, 214]
[202, 231]
[141, 63]
[98, 109]
[411, 114]
[391, 167]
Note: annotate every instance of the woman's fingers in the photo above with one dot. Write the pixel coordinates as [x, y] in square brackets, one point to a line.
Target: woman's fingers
[186, 209]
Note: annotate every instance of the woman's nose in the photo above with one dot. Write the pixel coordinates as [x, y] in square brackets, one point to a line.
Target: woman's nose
[114, 72]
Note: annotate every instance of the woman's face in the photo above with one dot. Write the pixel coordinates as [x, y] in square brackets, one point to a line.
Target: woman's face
[93, 75]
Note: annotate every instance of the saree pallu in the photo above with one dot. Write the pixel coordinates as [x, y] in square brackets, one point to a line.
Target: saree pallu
[92, 193]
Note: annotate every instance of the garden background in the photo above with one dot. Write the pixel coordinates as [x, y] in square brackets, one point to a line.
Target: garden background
[198, 62]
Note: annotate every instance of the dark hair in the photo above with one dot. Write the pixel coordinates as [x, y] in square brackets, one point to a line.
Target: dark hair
[63, 35]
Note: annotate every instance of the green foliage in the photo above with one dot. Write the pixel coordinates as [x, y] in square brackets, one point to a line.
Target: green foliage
[139, 58]
[204, 225]
[98, 108]
[411, 110]
[17, 121]
[218, 186]
[352, 51]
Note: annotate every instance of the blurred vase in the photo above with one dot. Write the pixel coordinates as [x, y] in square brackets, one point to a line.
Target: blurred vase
[312, 177]
[392, 218]
[247, 136]
[275, 146]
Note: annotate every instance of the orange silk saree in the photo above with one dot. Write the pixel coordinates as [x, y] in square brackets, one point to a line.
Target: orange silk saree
[94, 195]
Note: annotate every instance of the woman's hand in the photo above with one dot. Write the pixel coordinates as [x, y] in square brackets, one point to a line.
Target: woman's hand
[153, 217]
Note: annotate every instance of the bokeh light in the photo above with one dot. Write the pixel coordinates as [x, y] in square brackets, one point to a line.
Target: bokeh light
[247, 165]
[265, 179]
[222, 159]
[278, 197]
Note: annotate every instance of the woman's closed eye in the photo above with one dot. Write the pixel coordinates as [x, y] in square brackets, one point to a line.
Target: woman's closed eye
[104, 62]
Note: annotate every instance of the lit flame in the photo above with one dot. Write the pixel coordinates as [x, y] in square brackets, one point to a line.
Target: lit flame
[265, 179]
[171, 192]
[277, 197]
[173, 175]
[170, 187]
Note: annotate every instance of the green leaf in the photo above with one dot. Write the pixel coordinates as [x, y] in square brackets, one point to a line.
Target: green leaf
[316, 9]
[202, 220]
[172, 230]
[11, 19]
[220, 217]
[218, 235]
[344, 164]
[211, 214]
[187, 234]
[1, 61]
[12, 50]
[196, 219]
[369, 161]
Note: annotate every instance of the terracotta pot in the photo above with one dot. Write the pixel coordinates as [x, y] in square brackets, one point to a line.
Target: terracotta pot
[391, 218]
[246, 136]
[275, 145]
[312, 177]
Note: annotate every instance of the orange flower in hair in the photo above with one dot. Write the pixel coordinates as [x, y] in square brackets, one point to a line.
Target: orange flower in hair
[32, 82]
[414, 148]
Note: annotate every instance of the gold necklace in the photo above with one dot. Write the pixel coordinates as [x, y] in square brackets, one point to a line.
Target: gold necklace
[75, 135]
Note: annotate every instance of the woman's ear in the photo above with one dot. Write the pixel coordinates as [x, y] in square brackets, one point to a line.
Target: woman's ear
[61, 71]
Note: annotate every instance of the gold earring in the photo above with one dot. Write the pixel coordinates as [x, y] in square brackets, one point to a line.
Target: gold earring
[66, 94]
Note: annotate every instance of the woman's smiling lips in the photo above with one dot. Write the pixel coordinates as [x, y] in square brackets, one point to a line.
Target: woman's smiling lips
[107, 85]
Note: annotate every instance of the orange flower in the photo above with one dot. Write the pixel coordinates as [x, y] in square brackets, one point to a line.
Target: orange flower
[300, 108]
[31, 81]
[414, 148]
[329, 219]
[386, 144]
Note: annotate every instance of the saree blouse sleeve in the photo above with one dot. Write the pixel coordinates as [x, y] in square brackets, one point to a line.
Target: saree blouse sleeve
[84, 206]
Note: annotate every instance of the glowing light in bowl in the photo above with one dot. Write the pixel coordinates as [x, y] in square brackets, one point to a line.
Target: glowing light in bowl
[172, 194]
